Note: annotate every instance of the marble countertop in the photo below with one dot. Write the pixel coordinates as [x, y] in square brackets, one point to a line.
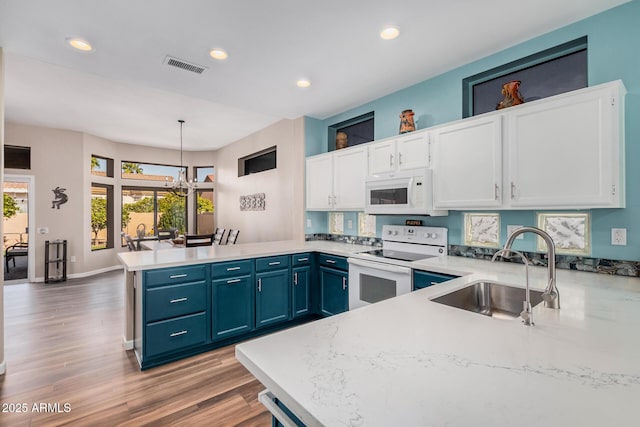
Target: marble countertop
[412, 362]
[164, 254]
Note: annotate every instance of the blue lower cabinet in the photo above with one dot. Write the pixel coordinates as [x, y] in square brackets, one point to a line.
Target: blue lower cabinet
[164, 302]
[334, 291]
[273, 297]
[301, 291]
[232, 306]
[175, 334]
[291, 415]
[424, 279]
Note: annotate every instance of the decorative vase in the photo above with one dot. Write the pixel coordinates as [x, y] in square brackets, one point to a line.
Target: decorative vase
[407, 123]
[511, 94]
[342, 140]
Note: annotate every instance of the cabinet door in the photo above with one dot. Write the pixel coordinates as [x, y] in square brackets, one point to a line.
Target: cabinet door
[334, 291]
[382, 157]
[467, 164]
[413, 151]
[301, 291]
[565, 152]
[320, 182]
[232, 306]
[349, 173]
[424, 279]
[272, 297]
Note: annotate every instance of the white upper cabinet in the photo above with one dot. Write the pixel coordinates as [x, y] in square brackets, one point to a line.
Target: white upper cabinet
[467, 164]
[335, 180]
[408, 151]
[568, 151]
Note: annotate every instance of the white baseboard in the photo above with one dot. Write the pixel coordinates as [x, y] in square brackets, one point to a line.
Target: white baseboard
[128, 345]
[87, 273]
[3, 367]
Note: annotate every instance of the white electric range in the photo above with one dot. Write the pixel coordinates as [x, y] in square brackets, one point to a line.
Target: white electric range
[379, 277]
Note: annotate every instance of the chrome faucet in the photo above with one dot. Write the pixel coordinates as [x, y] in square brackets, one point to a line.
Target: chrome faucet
[526, 314]
[551, 296]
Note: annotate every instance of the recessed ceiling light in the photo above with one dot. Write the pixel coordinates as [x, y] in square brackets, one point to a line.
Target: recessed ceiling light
[218, 53]
[80, 44]
[303, 83]
[389, 33]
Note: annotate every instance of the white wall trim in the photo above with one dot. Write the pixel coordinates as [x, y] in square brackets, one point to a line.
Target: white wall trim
[3, 367]
[127, 345]
[86, 273]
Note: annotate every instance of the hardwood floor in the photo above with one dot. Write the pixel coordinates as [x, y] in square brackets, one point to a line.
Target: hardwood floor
[64, 346]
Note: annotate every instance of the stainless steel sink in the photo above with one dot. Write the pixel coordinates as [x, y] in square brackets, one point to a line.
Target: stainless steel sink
[491, 299]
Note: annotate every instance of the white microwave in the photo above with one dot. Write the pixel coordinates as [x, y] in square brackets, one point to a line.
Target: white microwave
[408, 192]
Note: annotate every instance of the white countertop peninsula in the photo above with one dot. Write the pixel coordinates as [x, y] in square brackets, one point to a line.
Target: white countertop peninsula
[409, 361]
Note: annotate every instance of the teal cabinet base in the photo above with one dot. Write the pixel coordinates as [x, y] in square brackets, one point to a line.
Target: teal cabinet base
[424, 279]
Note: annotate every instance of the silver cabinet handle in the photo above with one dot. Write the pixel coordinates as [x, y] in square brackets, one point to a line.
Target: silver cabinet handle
[233, 268]
[513, 191]
[330, 261]
[259, 285]
[434, 283]
[233, 281]
[329, 200]
[496, 189]
[177, 276]
[400, 158]
[173, 301]
[303, 259]
[295, 278]
[390, 160]
[275, 263]
[344, 283]
[177, 334]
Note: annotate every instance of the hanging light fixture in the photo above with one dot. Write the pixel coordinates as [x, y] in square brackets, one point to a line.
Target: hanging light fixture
[181, 187]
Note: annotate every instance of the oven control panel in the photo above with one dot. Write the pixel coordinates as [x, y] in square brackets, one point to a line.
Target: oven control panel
[411, 234]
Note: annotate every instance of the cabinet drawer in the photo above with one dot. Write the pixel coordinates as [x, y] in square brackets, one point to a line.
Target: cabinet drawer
[232, 268]
[333, 261]
[272, 263]
[424, 279]
[167, 276]
[164, 302]
[175, 334]
[301, 259]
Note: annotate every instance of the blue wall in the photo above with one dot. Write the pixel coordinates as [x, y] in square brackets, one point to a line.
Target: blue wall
[613, 37]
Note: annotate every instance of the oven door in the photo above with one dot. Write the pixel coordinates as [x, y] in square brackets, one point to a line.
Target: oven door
[370, 282]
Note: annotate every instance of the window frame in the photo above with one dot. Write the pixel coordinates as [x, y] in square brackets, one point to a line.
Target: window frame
[110, 195]
[109, 169]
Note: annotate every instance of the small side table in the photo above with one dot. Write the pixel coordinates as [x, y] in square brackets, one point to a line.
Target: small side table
[55, 261]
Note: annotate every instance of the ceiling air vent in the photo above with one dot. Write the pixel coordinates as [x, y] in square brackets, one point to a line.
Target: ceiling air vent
[179, 63]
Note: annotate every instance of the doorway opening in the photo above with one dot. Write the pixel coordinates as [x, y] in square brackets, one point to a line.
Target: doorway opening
[18, 254]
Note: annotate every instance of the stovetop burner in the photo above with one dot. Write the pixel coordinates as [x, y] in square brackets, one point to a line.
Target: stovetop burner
[402, 256]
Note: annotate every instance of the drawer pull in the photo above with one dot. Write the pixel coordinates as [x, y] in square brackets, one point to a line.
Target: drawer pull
[233, 268]
[275, 263]
[303, 259]
[233, 281]
[173, 301]
[344, 283]
[330, 261]
[259, 285]
[177, 276]
[177, 334]
[434, 283]
[295, 278]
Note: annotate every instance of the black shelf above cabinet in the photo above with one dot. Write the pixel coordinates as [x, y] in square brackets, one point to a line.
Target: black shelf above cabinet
[55, 269]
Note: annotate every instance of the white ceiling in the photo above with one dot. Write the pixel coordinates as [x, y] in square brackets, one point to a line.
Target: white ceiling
[122, 91]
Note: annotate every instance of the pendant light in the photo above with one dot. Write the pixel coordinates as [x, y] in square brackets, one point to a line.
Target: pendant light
[181, 187]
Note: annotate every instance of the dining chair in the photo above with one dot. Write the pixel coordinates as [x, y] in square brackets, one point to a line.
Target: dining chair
[130, 243]
[232, 236]
[166, 234]
[198, 240]
[217, 237]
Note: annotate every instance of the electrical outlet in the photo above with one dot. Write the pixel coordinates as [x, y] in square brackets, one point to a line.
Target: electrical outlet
[73, 258]
[619, 236]
[43, 230]
[512, 228]
[350, 224]
[308, 223]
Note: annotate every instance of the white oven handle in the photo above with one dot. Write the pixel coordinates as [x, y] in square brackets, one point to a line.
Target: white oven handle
[268, 400]
[379, 266]
[410, 193]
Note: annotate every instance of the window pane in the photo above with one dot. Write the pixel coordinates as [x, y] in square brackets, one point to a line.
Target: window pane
[138, 207]
[101, 216]
[172, 212]
[204, 212]
[150, 172]
[204, 174]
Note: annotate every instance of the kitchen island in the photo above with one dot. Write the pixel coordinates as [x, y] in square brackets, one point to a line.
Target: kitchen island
[409, 361]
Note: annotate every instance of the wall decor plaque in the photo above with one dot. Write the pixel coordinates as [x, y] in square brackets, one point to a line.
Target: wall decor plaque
[253, 202]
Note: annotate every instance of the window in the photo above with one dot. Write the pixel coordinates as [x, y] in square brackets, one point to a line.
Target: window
[357, 129]
[204, 174]
[16, 157]
[150, 172]
[148, 210]
[101, 216]
[258, 162]
[204, 212]
[101, 166]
